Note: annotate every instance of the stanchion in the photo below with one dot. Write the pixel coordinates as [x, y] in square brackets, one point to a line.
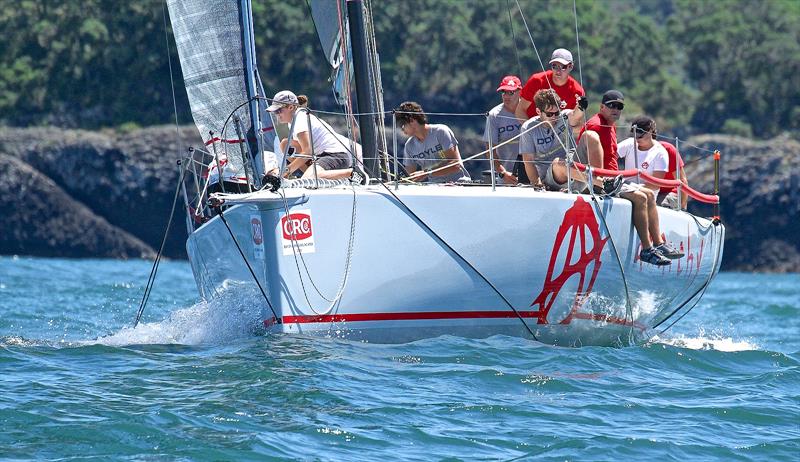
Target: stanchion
[717, 156]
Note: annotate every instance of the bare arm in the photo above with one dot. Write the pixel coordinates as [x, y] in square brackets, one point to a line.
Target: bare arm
[305, 142]
[531, 170]
[656, 187]
[684, 196]
[522, 109]
[302, 146]
[507, 175]
[415, 174]
[452, 158]
[576, 117]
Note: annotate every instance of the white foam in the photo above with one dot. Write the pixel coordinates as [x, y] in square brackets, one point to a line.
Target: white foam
[204, 322]
[707, 341]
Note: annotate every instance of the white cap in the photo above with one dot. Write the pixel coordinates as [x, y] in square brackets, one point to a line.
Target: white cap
[561, 55]
[281, 99]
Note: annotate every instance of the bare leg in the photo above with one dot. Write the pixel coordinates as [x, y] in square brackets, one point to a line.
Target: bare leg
[560, 174]
[594, 148]
[329, 174]
[591, 142]
[639, 201]
[652, 217]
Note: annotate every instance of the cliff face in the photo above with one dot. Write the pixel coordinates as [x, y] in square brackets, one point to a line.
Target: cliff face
[75, 193]
[760, 200]
[126, 181]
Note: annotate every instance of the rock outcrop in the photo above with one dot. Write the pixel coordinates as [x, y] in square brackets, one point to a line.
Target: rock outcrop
[760, 199]
[42, 219]
[127, 180]
[76, 193]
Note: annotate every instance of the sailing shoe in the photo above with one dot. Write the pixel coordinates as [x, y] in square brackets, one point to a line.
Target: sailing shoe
[654, 257]
[612, 186]
[670, 252]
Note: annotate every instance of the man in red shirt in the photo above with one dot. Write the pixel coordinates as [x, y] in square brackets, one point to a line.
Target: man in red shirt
[557, 78]
[668, 197]
[599, 136]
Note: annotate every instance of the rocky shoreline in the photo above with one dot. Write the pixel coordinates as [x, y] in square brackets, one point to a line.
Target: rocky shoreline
[108, 194]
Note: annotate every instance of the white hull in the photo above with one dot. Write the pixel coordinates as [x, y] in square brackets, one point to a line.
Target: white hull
[403, 283]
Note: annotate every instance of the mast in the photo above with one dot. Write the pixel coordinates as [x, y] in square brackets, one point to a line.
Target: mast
[253, 136]
[365, 87]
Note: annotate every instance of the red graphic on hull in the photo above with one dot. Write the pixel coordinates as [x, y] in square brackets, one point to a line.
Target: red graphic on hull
[578, 221]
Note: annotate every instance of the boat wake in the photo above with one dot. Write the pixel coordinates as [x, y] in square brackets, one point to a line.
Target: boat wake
[707, 341]
[213, 322]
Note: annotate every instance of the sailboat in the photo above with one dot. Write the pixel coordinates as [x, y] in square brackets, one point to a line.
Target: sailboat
[381, 260]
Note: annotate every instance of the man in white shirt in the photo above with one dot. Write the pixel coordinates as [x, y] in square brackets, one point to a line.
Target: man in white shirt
[643, 153]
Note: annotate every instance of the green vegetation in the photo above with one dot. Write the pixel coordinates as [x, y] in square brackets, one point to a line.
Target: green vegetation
[698, 66]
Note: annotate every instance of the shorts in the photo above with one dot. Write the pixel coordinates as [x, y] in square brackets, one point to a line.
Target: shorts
[668, 200]
[334, 160]
[552, 185]
[230, 188]
[628, 187]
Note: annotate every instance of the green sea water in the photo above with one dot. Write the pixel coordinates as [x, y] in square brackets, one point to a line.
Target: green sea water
[195, 381]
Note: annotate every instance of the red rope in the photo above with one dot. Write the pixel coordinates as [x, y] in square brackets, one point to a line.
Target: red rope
[707, 198]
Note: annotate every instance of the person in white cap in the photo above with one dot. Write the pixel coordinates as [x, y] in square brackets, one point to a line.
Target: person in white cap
[501, 126]
[332, 150]
[569, 90]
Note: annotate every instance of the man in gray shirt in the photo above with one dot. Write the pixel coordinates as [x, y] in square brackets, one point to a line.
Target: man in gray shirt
[546, 138]
[431, 152]
[501, 126]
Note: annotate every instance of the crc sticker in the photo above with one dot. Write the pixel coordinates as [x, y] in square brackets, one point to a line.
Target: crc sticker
[298, 232]
[257, 231]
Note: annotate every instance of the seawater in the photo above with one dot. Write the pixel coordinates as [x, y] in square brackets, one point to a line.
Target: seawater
[195, 381]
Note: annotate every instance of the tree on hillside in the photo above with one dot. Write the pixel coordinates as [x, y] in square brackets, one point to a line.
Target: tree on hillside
[88, 63]
[744, 58]
[703, 66]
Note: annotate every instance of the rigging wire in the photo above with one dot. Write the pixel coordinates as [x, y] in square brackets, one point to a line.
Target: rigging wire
[514, 37]
[171, 78]
[154, 270]
[578, 43]
[701, 291]
[628, 307]
[443, 242]
[249, 268]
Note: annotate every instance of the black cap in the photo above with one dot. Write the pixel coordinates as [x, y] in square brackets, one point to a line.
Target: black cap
[612, 96]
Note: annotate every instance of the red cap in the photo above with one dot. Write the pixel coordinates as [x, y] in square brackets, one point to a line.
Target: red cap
[510, 83]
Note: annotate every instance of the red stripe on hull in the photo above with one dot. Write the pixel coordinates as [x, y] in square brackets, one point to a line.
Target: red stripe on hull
[428, 315]
[410, 316]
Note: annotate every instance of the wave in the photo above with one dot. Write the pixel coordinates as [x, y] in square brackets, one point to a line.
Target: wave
[707, 341]
[206, 322]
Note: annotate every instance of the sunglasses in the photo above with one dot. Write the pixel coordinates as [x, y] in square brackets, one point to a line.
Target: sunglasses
[559, 67]
[509, 92]
[280, 109]
[551, 114]
[615, 105]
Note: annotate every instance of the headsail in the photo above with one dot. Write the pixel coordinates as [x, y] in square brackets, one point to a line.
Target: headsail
[214, 41]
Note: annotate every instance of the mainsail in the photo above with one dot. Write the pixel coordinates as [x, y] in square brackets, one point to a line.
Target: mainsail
[215, 43]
